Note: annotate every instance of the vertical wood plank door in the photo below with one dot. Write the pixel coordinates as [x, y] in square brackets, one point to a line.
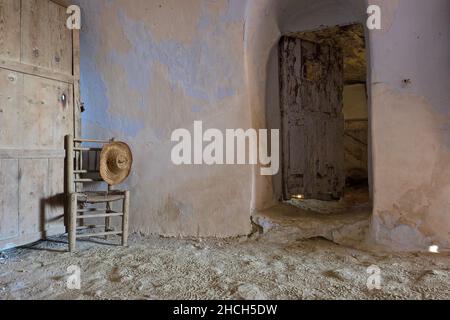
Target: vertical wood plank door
[39, 105]
[311, 93]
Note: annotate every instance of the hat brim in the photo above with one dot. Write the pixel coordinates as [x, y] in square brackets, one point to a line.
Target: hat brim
[115, 176]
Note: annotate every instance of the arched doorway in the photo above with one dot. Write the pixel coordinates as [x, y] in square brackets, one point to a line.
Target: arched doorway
[324, 118]
[267, 23]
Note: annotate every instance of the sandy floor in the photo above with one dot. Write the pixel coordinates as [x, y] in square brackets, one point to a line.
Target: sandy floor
[257, 268]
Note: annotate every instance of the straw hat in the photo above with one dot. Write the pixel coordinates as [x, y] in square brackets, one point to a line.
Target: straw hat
[115, 162]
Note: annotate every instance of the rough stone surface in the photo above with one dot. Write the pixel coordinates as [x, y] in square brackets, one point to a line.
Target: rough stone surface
[286, 224]
[351, 39]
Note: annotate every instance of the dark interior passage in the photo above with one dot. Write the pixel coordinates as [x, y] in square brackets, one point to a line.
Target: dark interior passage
[350, 143]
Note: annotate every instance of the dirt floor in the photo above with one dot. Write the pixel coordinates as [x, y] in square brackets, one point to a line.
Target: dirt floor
[247, 268]
[355, 199]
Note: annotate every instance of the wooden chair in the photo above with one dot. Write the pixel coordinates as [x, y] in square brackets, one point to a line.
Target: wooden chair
[83, 205]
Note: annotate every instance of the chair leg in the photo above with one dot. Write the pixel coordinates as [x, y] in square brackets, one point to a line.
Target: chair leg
[108, 220]
[73, 208]
[125, 220]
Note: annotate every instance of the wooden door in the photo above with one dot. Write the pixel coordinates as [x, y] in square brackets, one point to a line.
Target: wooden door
[311, 92]
[39, 105]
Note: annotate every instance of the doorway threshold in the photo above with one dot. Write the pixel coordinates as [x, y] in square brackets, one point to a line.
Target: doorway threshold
[286, 223]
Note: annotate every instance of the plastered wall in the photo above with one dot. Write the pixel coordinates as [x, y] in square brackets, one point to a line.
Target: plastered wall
[149, 67]
[410, 124]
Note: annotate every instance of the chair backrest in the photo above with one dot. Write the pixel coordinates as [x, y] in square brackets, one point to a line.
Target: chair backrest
[83, 162]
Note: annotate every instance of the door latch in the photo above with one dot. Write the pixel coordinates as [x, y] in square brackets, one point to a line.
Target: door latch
[64, 99]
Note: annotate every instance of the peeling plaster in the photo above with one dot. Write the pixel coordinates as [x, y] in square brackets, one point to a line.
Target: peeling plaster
[417, 199]
[144, 76]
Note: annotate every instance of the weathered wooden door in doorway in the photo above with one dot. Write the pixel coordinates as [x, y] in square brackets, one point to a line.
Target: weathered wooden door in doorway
[39, 94]
[311, 92]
